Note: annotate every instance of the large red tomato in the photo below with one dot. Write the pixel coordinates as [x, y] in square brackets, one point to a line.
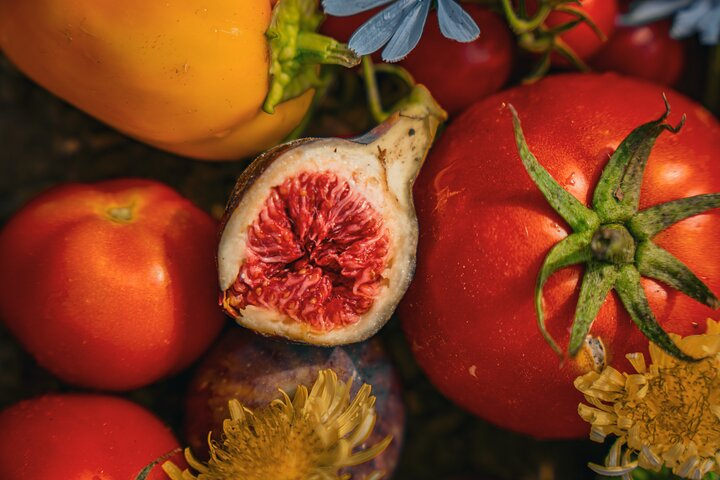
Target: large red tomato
[485, 229]
[111, 285]
[458, 74]
[81, 437]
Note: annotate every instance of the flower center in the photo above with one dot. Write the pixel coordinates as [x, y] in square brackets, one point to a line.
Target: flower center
[677, 409]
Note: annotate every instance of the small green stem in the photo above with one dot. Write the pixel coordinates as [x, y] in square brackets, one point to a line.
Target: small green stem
[373, 93]
[519, 25]
[415, 95]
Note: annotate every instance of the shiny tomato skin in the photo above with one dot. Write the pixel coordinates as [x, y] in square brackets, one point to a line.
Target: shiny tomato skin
[581, 38]
[458, 74]
[110, 303]
[645, 51]
[81, 437]
[485, 229]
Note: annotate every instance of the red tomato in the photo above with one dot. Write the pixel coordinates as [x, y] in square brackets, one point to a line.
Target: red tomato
[581, 38]
[646, 51]
[112, 285]
[459, 74]
[469, 314]
[81, 437]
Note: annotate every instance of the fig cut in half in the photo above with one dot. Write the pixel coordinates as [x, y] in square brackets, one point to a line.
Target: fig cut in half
[319, 238]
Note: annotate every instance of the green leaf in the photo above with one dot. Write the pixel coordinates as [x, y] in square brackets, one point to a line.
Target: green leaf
[572, 250]
[655, 262]
[653, 220]
[617, 195]
[598, 280]
[579, 217]
[633, 297]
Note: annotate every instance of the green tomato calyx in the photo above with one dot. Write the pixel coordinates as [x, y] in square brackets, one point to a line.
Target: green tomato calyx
[296, 50]
[614, 238]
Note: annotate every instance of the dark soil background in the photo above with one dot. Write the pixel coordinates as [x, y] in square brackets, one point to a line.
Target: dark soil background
[44, 142]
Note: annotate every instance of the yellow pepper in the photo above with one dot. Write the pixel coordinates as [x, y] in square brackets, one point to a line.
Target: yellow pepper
[187, 76]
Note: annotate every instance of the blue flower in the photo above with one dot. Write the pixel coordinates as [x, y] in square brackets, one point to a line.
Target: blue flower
[691, 16]
[401, 24]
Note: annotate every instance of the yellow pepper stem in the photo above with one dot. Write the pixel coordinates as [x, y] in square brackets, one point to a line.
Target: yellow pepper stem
[296, 50]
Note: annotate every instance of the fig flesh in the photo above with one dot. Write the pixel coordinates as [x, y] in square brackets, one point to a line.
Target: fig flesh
[319, 238]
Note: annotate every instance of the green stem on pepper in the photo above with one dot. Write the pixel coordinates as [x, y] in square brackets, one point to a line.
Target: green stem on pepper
[296, 51]
[613, 239]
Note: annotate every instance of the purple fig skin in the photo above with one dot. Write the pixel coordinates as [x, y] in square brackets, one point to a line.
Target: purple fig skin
[251, 368]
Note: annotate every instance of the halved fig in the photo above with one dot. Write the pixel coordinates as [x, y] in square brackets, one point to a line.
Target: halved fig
[319, 237]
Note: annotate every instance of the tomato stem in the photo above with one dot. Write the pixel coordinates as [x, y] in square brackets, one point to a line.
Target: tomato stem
[536, 37]
[613, 238]
[613, 244]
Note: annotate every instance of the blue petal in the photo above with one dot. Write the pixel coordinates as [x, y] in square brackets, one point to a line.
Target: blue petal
[687, 21]
[710, 28]
[345, 8]
[652, 10]
[456, 23]
[376, 32]
[408, 34]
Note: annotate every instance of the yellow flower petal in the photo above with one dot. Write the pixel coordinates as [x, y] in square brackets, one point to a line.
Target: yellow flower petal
[311, 436]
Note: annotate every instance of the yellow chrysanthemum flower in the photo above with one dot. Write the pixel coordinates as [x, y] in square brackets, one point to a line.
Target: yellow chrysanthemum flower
[668, 413]
[310, 437]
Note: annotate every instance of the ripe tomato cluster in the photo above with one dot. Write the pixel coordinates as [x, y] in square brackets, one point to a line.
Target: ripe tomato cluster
[109, 286]
[459, 74]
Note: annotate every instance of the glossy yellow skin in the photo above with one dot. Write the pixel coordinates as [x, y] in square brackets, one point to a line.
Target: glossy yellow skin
[188, 76]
